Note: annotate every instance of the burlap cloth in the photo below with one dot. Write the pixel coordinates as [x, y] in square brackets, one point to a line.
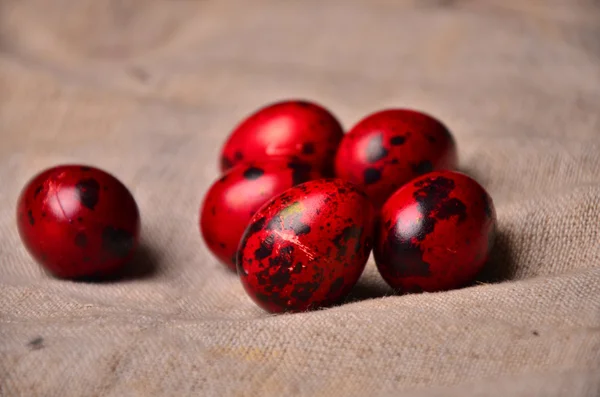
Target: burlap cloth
[148, 90]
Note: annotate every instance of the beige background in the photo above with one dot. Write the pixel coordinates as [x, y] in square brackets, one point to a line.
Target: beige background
[148, 90]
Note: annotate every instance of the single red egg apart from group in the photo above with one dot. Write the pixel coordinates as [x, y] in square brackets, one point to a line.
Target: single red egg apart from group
[78, 221]
[296, 128]
[435, 233]
[386, 149]
[307, 247]
[238, 194]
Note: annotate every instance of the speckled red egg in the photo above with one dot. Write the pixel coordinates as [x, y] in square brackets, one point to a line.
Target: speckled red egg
[301, 129]
[78, 221]
[307, 247]
[238, 194]
[435, 233]
[389, 148]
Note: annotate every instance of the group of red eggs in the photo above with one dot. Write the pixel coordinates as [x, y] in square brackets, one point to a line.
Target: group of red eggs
[297, 210]
[300, 205]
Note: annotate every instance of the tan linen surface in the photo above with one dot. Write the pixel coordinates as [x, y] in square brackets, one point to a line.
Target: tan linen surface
[148, 90]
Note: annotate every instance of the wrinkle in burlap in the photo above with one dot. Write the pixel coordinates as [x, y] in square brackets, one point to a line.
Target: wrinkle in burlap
[148, 90]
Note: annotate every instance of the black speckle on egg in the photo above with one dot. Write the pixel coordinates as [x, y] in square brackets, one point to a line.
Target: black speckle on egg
[30, 216]
[266, 248]
[253, 173]
[300, 228]
[433, 189]
[308, 148]
[397, 140]
[37, 191]
[371, 175]
[303, 292]
[88, 192]
[256, 226]
[300, 172]
[452, 207]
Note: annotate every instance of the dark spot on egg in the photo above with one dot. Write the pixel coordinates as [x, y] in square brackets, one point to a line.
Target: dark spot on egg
[433, 189]
[371, 175]
[397, 140]
[253, 173]
[308, 148]
[30, 216]
[37, 191]
[300, 228]
[88, 192]
[300, 172]
[452, 207]
[255, 227]
[304, 291]
[341, 240]
[266, 248]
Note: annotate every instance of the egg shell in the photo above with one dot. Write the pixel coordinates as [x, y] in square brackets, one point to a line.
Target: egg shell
[435, 233]
[388, 148]
[307, 247]
[78, 221]
[293, 128]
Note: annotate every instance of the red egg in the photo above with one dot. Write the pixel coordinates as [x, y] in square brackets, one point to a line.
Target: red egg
[307, 247]
[435, 233]
[237, 195]
[301, 129]
[78, 221]
[389, 148]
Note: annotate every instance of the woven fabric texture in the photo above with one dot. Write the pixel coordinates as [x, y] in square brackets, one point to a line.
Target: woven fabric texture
[148, 90]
